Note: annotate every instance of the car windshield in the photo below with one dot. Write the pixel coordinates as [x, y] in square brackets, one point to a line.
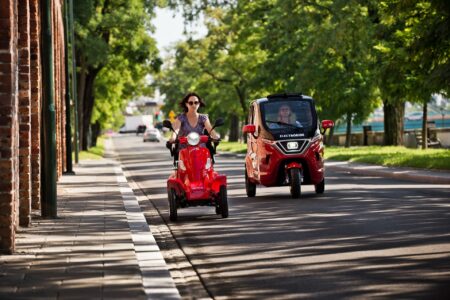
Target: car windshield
[291, 115]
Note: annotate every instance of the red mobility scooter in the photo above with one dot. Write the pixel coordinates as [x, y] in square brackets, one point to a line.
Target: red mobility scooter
[284, 144]
[194, 181]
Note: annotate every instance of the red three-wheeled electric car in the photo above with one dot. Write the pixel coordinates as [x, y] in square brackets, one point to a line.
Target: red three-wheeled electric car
[284, 144]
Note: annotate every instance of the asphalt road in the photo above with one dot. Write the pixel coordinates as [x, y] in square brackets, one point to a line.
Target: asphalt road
[366, 237]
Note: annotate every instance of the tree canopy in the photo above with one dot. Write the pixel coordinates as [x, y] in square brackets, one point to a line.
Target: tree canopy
[349, 55]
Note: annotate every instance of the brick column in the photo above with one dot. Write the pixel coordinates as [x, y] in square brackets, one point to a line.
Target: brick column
[35, 70]
[24, 113]
[9, 130]
[60, 92]
[58, 42]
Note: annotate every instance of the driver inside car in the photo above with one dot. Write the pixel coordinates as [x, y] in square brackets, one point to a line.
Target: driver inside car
[285, 116]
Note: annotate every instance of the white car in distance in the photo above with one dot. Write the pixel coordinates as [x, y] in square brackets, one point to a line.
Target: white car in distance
[152, 135]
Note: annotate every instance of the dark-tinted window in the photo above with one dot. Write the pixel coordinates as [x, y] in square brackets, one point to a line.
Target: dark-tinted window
[289, 115]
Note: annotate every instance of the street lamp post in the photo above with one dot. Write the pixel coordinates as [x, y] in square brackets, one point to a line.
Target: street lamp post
[49, 205]
[69, 168]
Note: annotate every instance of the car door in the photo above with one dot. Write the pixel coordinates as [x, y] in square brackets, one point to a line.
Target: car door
[252, 144]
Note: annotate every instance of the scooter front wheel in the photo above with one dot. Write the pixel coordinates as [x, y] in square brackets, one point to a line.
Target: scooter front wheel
[223, 201]
[173, 214]
[296, 183]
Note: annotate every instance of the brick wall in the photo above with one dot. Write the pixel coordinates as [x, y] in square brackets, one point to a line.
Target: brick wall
[9, 129]
[24, 114]
[20, 111]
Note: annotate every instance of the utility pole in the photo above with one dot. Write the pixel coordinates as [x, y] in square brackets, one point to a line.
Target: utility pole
[49, 209]
[74, 81]
[69, 166]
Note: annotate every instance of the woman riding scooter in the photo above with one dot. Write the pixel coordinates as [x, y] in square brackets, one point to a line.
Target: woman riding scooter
[190, 120]
[194, 181]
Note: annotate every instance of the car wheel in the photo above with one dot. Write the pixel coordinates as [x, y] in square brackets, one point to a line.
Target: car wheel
[320, 187]
[173, 205]
[296, 184]
[250, 187]
[223, 201]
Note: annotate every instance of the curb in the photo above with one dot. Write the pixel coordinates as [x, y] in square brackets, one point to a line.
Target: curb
[156, 278]
[402, 173]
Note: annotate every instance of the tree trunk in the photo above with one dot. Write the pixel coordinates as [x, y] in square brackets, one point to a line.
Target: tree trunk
[235, 132]
[88, 105]
[95, 128]
[329, 138]
[393, 123]
[234, 128]
[81, 80]
[424, 126]
[348, 134]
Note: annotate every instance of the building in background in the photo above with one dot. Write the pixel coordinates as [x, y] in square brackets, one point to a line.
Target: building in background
[22, 102]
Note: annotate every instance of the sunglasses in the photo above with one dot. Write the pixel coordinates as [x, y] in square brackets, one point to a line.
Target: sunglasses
[193, 102]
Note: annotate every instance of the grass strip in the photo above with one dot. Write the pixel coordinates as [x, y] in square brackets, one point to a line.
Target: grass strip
[94, 153]
[393, 156]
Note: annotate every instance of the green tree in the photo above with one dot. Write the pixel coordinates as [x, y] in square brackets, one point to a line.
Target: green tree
[423, 29]
[347, 54]
[113, 46]
[217, 65]
[407, 65]
[324, 49]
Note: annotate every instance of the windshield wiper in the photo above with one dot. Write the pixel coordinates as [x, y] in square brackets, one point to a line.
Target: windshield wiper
[282, 123]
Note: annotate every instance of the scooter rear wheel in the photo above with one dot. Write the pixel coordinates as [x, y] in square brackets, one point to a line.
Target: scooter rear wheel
[320, 187]
[250, 187]
[173, 214]
[223, 201]
[296, 184]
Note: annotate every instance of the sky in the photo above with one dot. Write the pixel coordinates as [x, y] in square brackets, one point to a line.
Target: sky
[169, 28]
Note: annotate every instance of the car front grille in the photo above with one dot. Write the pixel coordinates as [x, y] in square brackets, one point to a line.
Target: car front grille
[302, 146]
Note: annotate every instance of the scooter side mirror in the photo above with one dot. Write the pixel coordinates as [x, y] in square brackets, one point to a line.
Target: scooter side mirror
[167, 124]
[250, 128]
[219, 122]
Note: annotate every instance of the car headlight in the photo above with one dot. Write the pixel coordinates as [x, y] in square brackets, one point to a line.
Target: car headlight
[193, 138]
[292, 145]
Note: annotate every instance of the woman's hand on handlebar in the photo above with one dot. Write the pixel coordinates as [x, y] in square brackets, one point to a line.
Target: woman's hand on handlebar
[169, 144]
[216, 141]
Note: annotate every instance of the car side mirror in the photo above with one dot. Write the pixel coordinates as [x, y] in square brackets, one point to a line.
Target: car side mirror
[167, 124]
[326, 124]
[250, 128]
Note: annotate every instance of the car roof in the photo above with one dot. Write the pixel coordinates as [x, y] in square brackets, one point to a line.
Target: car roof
[283, 96]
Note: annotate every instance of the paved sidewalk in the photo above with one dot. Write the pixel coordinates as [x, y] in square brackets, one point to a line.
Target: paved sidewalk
[100, 247]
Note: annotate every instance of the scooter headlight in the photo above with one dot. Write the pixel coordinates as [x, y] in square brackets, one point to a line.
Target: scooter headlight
[193, 138]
